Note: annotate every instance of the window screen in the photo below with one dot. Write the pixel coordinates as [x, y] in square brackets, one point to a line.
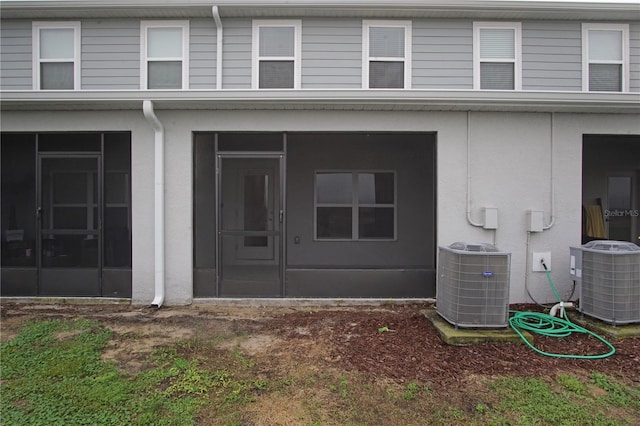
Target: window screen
[164, 75]
[276, 74]
[605, 77]
[56, 76]
[386, 75]
[496, 76]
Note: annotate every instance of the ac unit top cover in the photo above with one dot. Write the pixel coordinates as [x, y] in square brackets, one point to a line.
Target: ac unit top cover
[613, 247]
[471, 248]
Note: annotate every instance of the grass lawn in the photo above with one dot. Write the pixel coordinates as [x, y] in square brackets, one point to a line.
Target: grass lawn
[53, 372]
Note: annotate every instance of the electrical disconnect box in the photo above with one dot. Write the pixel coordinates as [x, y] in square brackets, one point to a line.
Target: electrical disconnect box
[490, 218]
[535, 219]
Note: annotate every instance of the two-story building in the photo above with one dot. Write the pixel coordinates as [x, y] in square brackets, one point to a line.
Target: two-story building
[166, 150]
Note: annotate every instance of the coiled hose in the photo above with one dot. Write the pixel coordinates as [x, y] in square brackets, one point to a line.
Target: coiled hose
[547, 325]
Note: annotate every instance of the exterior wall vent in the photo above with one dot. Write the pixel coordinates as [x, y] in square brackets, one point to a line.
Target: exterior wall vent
[609, 276]
[472, 289]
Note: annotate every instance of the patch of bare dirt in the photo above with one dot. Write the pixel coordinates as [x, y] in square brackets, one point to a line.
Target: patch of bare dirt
[345, 338]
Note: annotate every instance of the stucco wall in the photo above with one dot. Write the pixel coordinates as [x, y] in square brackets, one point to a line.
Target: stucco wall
[510, 170]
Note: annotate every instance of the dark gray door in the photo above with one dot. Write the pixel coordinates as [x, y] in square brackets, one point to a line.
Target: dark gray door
[69, 219]
[250, 226]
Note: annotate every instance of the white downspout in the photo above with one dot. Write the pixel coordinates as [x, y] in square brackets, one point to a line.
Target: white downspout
[471, 222]
[149, 114]
[218, 21]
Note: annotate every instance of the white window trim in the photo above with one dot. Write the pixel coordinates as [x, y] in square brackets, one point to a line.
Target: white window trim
[366, 25]
[624, 28]
[296, 24]
[517, 60]
[355, 205]
[35, 38]
[144, 26]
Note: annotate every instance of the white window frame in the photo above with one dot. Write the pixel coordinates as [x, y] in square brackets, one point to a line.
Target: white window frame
[366, 59]
[35, 37]
[296, 24]
[624, 29]
[516, 61]
[355, 205]
[144, 27]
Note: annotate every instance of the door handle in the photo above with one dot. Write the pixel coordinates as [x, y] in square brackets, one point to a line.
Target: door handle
[281, 216]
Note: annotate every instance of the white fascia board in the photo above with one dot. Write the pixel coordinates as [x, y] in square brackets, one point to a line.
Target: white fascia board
[402, 99]
[545, 9]
[510, 4]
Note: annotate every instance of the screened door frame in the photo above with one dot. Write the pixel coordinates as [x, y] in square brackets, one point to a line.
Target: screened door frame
[279, 206]
[40, 157]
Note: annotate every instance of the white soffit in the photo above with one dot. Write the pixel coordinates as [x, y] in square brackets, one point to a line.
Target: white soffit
[357, 100]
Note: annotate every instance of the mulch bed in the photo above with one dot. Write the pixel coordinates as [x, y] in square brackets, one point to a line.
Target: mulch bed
[413, 350]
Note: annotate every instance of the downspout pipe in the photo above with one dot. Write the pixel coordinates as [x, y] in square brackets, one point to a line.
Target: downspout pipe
[152, 118]
[216, 17]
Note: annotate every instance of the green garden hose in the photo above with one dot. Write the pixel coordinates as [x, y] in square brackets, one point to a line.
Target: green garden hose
[547, 325]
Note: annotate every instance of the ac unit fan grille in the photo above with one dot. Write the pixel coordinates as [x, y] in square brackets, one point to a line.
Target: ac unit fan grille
[611, 286]
[473, 288]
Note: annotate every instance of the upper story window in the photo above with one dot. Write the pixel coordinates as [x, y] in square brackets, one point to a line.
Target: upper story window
[605, 56]
[355, 205]
[276, 54]
[165, 54]
[386, 54]
[56, 55]
[497, 57]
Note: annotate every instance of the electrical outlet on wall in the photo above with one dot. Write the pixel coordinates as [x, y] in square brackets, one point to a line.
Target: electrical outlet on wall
[536, 261]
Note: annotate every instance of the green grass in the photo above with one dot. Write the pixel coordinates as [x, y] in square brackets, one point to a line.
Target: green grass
[52, 374]
[566, 401]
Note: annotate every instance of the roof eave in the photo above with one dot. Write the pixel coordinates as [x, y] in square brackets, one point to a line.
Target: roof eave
[58, 9]
[382, 100]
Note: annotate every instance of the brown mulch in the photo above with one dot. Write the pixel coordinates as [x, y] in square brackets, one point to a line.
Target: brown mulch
[413, 350]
